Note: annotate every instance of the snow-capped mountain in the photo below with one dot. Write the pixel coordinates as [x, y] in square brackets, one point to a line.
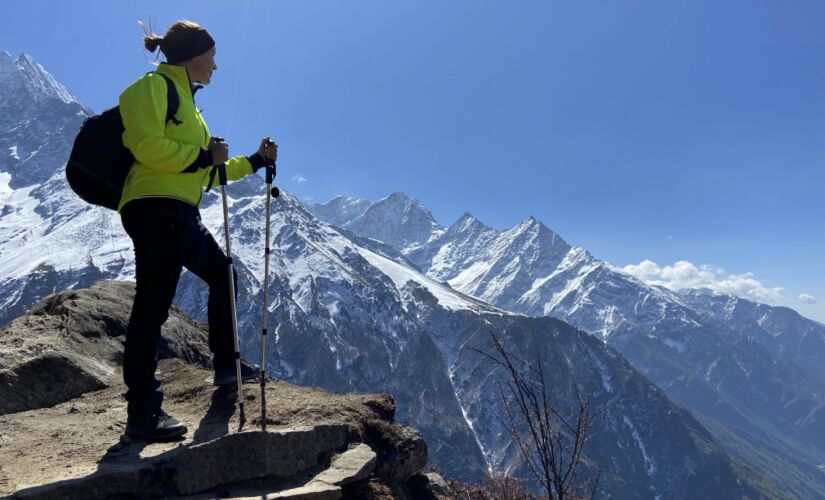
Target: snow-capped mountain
[348, 314]
[396, 220]
[341, 210]
[783, 331]
[38, 121]
[37, 117]
[367, 322]
[703, 360]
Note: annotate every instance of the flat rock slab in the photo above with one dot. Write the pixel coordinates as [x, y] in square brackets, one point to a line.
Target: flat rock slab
[249, 455]
[352, 465]
[187, 470]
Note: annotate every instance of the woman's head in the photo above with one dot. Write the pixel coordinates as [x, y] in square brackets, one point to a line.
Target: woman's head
[185, 44]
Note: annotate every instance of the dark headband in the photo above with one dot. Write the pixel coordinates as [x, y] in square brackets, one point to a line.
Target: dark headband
[194, 44]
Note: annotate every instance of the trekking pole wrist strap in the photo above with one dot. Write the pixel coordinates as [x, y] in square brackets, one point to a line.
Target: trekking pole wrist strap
[221, 171]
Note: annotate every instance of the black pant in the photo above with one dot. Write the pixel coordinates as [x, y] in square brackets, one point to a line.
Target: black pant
[168, 235]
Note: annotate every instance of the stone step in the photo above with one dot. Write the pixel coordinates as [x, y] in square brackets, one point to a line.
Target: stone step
[352, 465]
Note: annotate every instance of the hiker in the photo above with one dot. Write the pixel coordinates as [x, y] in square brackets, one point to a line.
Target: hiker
[159, 211]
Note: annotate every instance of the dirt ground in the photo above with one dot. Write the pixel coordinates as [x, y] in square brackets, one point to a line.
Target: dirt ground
[79, 437]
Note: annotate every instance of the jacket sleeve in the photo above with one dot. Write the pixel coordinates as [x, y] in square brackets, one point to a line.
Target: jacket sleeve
[143, 110]
[237, 167]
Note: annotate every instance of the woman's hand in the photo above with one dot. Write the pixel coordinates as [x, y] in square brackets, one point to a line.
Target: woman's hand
[219, 150]
[268, 150]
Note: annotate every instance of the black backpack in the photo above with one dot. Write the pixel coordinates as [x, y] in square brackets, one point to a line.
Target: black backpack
[99, 162]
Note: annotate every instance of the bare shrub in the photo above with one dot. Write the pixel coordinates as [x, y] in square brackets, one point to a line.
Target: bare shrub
[550, 443]
[495, 487]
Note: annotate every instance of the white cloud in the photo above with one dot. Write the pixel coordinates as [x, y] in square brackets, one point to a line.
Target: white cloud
[807, 298]
[300, 179]
[684, 274]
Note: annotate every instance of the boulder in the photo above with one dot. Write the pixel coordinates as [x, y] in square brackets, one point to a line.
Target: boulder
[402, 452]
[428, 486]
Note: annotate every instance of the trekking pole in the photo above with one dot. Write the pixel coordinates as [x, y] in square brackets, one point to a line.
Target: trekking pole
[270, 193]
[222, 181]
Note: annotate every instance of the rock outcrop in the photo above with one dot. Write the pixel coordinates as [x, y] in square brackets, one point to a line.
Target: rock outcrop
[63, 417]
[72, 342]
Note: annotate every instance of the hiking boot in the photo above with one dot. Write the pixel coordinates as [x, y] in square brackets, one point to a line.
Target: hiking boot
[161, 428]
[227, 376]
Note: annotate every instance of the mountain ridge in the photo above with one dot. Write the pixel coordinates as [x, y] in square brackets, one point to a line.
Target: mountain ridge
[699, 359]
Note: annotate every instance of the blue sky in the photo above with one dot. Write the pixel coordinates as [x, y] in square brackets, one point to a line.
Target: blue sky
[690, 134]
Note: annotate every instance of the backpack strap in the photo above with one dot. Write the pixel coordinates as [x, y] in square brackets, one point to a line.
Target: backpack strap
[173, 100]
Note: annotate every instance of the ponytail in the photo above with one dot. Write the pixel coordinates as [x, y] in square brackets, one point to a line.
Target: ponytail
[151, 40]
[182, 41]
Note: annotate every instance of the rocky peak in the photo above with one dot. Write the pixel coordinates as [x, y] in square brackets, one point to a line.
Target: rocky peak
[38, 83]
[38, 121]
[399, 196]
[401, 202]
[340, 210]
[398, 220]
[542, 234]
[468, 223]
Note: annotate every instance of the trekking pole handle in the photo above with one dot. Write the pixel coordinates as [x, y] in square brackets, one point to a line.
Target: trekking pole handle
[270, 178]
[222, 167]
[219, 169]
[222, 174]
[270, 173]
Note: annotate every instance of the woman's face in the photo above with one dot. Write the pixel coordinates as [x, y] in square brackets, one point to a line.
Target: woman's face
[200, 68]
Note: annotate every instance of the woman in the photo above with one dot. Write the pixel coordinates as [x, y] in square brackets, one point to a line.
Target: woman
[159, 211]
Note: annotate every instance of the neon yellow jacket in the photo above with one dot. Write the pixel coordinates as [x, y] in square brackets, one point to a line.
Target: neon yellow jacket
[164, 150]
